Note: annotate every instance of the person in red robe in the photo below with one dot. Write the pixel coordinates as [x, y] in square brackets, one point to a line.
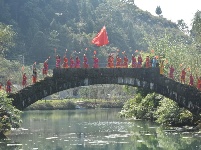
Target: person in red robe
[125, 61]
[24, 80]
[77, 62]
[183, 75]
[171, 72]
[65, 62]
[118, 61]
[198, 82]
[45, 68]
[72, 65]
[134, 62]
[58, 61]
[147, 63]
[191, 80]
[85, 62]
[110, 61]
[96, 62]
[139, 59]
[8, 86]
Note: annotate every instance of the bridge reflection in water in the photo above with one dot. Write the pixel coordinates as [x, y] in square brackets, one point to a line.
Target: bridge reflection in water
[148, 78]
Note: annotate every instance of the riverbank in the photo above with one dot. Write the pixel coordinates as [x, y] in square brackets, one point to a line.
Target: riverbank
[71, 104]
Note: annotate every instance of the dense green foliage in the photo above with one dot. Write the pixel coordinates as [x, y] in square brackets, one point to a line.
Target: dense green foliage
[67, 104]
[196, 31]
[42, 25]
[155, 107]
[9, 116]
[168, 112]
[52, 104]
[6, 38]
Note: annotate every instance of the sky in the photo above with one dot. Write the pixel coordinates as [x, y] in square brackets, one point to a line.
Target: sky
[172, 9]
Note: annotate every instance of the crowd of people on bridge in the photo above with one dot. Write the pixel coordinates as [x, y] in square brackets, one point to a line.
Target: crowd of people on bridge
[183, 77]
[113, 61]
[136, 62]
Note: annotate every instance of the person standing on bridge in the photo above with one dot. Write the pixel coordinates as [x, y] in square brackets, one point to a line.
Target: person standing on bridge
[198, 82]
[77, 62]
[134, 62]
[24, 80]
[65, 61]
[191, 82]
[183, 75]
[72, 65]
[147, 62]
[154, 61]
[8, 86]
[45, 67]
[139, 59]
[110, 61]
[125, 65]
[171, 72]
[34, 75]
[58, 61]
[85, 62]
[118, 61]
[96, 61]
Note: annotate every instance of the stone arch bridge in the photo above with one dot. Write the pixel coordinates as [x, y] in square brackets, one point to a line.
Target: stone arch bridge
[148, 78]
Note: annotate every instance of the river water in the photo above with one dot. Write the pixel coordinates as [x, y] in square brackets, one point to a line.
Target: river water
[94, 129]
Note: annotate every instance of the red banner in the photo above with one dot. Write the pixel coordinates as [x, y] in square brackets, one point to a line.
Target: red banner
[101, 38]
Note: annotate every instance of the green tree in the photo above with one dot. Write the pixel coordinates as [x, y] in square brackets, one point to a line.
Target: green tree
[9, 116]
[6, 38]
[77, 22]
[182, 26]
[173, 115]
[196, 30]
[158, 10]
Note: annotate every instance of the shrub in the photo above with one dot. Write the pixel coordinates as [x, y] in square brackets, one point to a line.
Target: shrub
[9, 116]
[169, 113]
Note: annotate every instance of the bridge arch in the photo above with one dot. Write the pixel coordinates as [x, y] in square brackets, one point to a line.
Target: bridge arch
[147, 78]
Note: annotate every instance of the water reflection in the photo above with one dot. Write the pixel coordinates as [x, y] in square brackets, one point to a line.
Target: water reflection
[94, 130]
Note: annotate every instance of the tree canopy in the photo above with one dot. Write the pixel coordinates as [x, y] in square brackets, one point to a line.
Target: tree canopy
[44, 25]
[158, 10]
[6, 37]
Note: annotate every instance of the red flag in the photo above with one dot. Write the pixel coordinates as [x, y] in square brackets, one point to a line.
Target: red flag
[101, 38]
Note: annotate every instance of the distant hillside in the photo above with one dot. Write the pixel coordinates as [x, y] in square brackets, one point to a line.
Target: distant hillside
[43, 25]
